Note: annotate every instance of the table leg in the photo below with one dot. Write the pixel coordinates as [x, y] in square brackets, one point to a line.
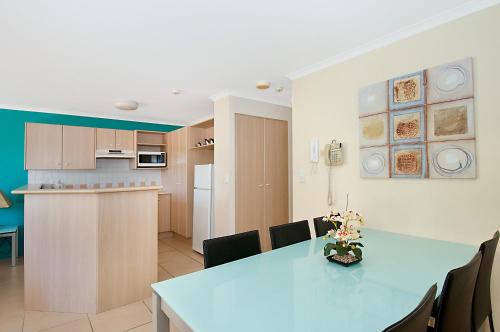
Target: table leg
[161, 323]
[14, 248]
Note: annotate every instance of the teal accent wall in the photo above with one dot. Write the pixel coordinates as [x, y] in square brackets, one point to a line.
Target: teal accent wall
[12, 173]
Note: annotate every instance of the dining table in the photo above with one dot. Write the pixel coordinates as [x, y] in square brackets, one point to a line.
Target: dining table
[295, 288]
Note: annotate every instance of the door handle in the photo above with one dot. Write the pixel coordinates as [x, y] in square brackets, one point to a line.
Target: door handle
[260, 185]
[268, 184]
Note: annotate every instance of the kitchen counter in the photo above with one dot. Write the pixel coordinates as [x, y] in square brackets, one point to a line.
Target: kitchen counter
[89, 250]
[36, 189]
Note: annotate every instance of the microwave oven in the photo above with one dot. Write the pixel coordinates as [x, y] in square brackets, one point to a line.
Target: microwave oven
[151, 159]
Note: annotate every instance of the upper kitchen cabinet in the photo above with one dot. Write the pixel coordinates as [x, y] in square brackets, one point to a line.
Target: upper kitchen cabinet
[50, 147]
[111, 139]
[43, 146]
[124, 140]
[78, 148]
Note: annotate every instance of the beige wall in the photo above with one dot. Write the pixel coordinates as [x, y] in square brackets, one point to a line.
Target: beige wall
[325, 106]
[224, 154]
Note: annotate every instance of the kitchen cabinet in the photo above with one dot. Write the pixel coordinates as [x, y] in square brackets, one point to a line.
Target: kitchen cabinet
[43, 146]
[111, 139]
[124, 140]
[261, 175]
[78, 148]
[164, 213]
[52, 147]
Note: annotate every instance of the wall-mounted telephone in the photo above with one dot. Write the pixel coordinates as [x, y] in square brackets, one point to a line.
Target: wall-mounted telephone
[334, 153]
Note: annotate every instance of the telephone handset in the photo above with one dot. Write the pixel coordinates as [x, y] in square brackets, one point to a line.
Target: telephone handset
[334, 153]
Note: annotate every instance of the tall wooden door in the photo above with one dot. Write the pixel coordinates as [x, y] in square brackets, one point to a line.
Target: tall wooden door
[78, 147]
[249, 174]
[276, 176]
[43, 146]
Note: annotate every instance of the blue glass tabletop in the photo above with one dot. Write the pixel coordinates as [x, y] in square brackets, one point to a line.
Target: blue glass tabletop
[296, 289]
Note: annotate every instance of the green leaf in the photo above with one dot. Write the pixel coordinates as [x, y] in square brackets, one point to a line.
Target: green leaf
[357, 253]
[342, 250]
[359, 244]
[328, 248]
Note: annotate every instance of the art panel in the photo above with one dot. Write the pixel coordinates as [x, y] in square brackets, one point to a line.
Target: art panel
[375, 162]
[419, 125]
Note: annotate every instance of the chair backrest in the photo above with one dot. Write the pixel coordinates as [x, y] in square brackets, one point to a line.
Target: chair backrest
[321, 227]
[455, 302]
[481, 305]
[417, 320]
[230, 248]
[288, 234]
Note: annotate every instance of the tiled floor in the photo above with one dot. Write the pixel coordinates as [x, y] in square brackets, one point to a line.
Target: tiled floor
[175, 258]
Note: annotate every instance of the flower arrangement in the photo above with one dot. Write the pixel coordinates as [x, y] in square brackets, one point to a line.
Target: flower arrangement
[346, 233]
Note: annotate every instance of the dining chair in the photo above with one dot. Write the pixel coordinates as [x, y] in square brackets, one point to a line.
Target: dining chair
[418, 319]
[481, 304]
[230, 248]
[453, 309]
[322, 227]
[288, 234]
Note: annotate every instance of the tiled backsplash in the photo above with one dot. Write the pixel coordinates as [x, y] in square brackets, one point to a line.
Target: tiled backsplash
[116, 172]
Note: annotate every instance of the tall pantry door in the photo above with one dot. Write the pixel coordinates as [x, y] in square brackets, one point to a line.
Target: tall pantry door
[177, 180]
[249, 132]
[276, 176]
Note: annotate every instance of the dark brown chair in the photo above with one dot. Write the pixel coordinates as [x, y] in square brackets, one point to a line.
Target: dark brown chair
[322, 227]
[288, 234]
[230, 248]
[481, 304]
[418, 319]
[454, 306]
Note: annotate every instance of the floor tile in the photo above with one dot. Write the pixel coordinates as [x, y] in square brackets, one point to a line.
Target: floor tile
[143, 328]
[162, 247]
[178, 264]
[81, 325]
[12, 322]
[121, 319]
[35, 321]
[163, 275]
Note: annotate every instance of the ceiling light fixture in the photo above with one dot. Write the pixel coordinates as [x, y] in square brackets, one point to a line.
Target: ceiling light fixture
[280, 89]
[176, 92]
[262, 85]
[127, 105]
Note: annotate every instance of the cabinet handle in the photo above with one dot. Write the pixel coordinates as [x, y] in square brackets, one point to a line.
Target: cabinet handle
[268, 184]
[260, 185]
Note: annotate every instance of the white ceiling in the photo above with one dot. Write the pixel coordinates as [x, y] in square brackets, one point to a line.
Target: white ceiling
[77, 57]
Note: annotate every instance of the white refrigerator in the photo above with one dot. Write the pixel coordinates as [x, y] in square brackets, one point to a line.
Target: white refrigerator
[202, 205]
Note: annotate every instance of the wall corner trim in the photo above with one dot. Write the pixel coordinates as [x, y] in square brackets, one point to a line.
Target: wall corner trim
[463, 10]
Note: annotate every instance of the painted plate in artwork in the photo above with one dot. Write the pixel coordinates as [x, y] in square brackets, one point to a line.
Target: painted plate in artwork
[450, 81]
[452, 159]
[374, 163]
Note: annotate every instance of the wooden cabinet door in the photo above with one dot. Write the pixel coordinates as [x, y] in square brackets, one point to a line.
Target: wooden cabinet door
[163, 213]
[105, 139]
[124, 140]
[78, 147]
[43, 146]
[249, 175]
[181, 183]
[276, 174]
[172, 180]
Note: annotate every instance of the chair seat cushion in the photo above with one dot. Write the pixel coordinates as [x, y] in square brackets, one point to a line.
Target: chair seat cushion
[8, 229]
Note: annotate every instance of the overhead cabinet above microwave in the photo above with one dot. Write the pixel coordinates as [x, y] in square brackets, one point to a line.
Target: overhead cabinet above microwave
[59, 147]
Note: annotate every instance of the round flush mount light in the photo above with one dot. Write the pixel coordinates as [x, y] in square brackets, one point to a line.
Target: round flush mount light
[127, 105]
[176, 92]
[280, 89]
[262, 85]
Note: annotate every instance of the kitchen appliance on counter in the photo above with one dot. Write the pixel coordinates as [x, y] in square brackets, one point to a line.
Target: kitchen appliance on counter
[202, 205]
[151, 159]
[114, 154]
